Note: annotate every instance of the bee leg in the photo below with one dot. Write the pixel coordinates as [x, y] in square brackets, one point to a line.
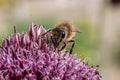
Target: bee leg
[55, 45]
[73, 43]
[63, 46]
[52, 41]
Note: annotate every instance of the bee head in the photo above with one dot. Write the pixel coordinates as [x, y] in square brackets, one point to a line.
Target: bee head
[57, 36]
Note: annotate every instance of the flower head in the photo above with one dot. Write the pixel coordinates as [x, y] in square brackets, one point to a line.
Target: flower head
[27, 56]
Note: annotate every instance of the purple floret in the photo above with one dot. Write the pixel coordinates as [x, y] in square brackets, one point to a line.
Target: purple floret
[27, 56]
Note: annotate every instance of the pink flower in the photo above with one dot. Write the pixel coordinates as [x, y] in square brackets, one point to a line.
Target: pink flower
[28, 57]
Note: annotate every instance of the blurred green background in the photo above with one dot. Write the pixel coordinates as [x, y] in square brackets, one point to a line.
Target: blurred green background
[99, 21]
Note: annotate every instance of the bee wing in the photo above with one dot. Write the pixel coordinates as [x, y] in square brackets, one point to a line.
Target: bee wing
[77, 30]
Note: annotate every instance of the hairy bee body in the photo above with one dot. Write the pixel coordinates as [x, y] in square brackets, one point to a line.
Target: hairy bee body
[68, 28]
[62, 34]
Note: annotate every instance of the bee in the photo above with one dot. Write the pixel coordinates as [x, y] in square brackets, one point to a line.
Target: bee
[62, 33]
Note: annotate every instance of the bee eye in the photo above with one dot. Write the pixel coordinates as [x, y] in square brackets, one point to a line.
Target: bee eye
[63, 34]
